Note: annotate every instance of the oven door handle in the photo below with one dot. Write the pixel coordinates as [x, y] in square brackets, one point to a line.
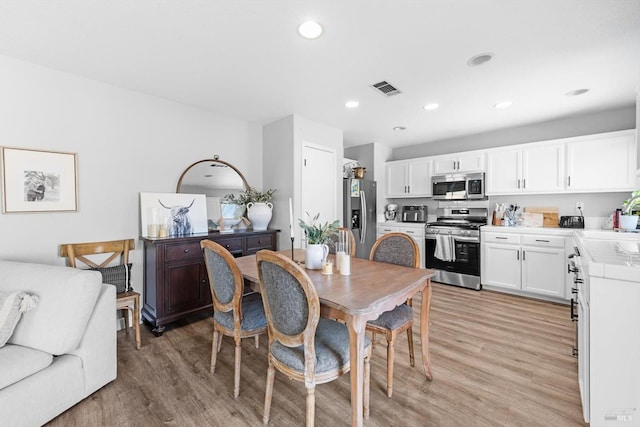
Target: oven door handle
[466, 239]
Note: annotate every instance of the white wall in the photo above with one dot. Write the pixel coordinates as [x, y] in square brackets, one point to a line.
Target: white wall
[126, 143]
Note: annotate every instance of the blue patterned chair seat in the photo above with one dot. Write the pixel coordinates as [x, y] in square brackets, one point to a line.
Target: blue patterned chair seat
[252, 314]
[395, 318]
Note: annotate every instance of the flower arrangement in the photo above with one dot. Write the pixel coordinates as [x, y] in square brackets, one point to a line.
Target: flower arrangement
[631, 202]
[318, 234]
[249, 195]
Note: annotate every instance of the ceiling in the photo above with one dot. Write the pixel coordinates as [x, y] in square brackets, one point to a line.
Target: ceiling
[245, 59]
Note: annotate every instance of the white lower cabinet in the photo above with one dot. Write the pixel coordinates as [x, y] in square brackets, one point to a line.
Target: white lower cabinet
[531, 264]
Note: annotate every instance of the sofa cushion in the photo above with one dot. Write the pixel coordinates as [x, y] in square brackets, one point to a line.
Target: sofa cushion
[12, 305]
[67, 297]
[19, 362]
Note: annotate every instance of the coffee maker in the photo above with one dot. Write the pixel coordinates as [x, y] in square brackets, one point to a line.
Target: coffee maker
[390, 212]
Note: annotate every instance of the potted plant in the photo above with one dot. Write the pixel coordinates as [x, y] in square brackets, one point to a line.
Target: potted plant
[318, 235]
[629, 221]
[259, 207]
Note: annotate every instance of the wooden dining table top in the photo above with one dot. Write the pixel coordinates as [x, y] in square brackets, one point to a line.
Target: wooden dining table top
[366, 290]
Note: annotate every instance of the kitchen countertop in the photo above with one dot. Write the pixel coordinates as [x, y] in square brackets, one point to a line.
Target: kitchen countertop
[554, 231]
[612, 255]
[402, 224]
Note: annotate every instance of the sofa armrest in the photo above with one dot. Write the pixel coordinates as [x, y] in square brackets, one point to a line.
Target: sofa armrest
[98, 347]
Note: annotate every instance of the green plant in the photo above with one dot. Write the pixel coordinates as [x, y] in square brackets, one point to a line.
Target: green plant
[319, 233]
[631, 202]
[249, 195]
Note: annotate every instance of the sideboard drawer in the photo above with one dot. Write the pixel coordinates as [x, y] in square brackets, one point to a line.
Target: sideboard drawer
[255, 243]
[182, 251]
[233, 245]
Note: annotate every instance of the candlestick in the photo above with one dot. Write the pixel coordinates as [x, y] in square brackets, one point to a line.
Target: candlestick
[292, 258]
[291, 219]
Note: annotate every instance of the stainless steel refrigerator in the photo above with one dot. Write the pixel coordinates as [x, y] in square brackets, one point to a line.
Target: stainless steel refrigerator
[359, 213]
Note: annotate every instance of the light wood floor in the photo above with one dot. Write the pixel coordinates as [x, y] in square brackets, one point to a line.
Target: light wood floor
[498, 360]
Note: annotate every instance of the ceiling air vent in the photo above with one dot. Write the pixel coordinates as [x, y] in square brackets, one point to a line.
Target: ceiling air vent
[385, 88]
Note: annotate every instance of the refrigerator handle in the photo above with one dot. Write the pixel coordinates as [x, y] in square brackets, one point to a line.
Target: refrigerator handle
[363, 216]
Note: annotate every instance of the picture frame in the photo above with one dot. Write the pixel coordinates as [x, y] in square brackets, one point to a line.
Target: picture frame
[39, 180]
[165, 215]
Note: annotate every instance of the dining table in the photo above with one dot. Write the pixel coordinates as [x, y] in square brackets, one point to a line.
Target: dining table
[369, 290]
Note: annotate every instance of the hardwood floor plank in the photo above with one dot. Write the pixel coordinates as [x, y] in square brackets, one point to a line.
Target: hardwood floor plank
[498, 360]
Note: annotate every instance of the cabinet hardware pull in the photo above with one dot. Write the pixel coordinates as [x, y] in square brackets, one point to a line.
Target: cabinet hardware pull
[524, 182]
[569, 181]
[541, 240]
[518, 255]
[408, 189]
[259, 242]
[186, 251]
[501, 238]
[518, 183]
[523, 255]
[227, 246]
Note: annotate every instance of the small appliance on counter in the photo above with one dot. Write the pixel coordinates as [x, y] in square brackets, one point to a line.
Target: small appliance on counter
[414, 213]
[572, 221]
[390, 212]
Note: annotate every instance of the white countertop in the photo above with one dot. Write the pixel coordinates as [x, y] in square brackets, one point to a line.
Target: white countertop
[402, 224]
[554, 231]
[609, 254]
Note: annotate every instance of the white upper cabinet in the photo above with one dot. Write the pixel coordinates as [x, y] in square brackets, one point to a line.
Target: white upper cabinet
[408, 178]
[460, 162]
[602, 162]
[531, 168]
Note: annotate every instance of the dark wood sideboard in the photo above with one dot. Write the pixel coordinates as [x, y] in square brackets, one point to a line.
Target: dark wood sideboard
[175, 277]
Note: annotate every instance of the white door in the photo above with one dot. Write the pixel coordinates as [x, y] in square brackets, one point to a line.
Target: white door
[420, 177]
[502, 265]
[445, 164]
[396, 177]
[543, 168]
[319, 183]
[504, 171]
[469, 162]
[543, 270]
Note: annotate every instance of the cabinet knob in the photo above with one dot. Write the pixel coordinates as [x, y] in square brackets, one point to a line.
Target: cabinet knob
[227, 246]
[186, 251]
[259, 242]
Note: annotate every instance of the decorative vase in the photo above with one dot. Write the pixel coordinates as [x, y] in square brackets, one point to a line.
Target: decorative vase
[629, 222]
[314, 256]
[259, 214]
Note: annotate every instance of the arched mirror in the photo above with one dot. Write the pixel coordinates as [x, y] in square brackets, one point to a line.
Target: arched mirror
[215, 179]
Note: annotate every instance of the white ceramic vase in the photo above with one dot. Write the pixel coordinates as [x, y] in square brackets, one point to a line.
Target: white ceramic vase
[314, 256]
[629, 222]
[259, 214]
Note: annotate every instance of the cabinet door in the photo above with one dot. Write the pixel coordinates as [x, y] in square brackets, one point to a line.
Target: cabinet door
[419, 177]
[543, 271]
[543, 168]
[445, 164]
[186, 287]
[502, 265]
[504, 171]
[602, 162]
[471, 162]
[396, 177]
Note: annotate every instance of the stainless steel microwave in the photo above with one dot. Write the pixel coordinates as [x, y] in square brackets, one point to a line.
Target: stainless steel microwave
[468, 186]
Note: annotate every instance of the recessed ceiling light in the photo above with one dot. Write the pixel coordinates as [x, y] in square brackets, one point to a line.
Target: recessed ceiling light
[351, 104]
[431, 107]
[481, 58]
[399, 128]
[310, 30]
[503, 104]
[576, 92]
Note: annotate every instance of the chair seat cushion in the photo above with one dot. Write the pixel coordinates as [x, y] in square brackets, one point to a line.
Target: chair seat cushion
[395, 318]
[331, 344]
[19, 362]
[252, 314]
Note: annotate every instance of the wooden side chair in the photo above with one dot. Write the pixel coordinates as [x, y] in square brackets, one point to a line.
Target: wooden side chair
[334, 240]
[233, 315]
[118, 275]
[399, 249]
[302, 345]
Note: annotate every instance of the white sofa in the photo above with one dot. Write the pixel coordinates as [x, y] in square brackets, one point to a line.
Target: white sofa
[61, 351]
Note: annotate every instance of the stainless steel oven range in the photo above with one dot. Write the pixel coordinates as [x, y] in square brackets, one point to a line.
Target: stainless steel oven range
[452, 247]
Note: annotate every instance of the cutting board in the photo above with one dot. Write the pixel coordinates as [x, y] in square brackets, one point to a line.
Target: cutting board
[549, 215]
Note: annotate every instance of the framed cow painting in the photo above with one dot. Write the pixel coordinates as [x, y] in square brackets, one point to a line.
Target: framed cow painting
[172, 214]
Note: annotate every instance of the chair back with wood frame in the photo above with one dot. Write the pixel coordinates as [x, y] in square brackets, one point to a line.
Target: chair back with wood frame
[234, 315]
[399, 249]
[334, 240]
[302, 345]
[119, 275]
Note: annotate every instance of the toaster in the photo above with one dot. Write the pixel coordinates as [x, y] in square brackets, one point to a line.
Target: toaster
[573, 221]
[414, 213]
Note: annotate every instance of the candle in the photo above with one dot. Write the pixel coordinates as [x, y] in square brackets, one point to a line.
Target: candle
[291, 217]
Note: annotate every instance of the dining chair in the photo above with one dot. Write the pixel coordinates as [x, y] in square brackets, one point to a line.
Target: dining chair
[334, 240]
[302, 345]
[399, 249]
[118, 275]
[234, 314]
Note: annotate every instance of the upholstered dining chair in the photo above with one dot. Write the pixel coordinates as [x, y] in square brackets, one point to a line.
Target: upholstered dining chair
[334, 240]
[302, 345]
[399, 249]
[234, 315]
[118, 275]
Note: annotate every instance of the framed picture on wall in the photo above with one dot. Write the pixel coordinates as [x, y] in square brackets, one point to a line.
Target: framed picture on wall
[39, 181]
[172, 214]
